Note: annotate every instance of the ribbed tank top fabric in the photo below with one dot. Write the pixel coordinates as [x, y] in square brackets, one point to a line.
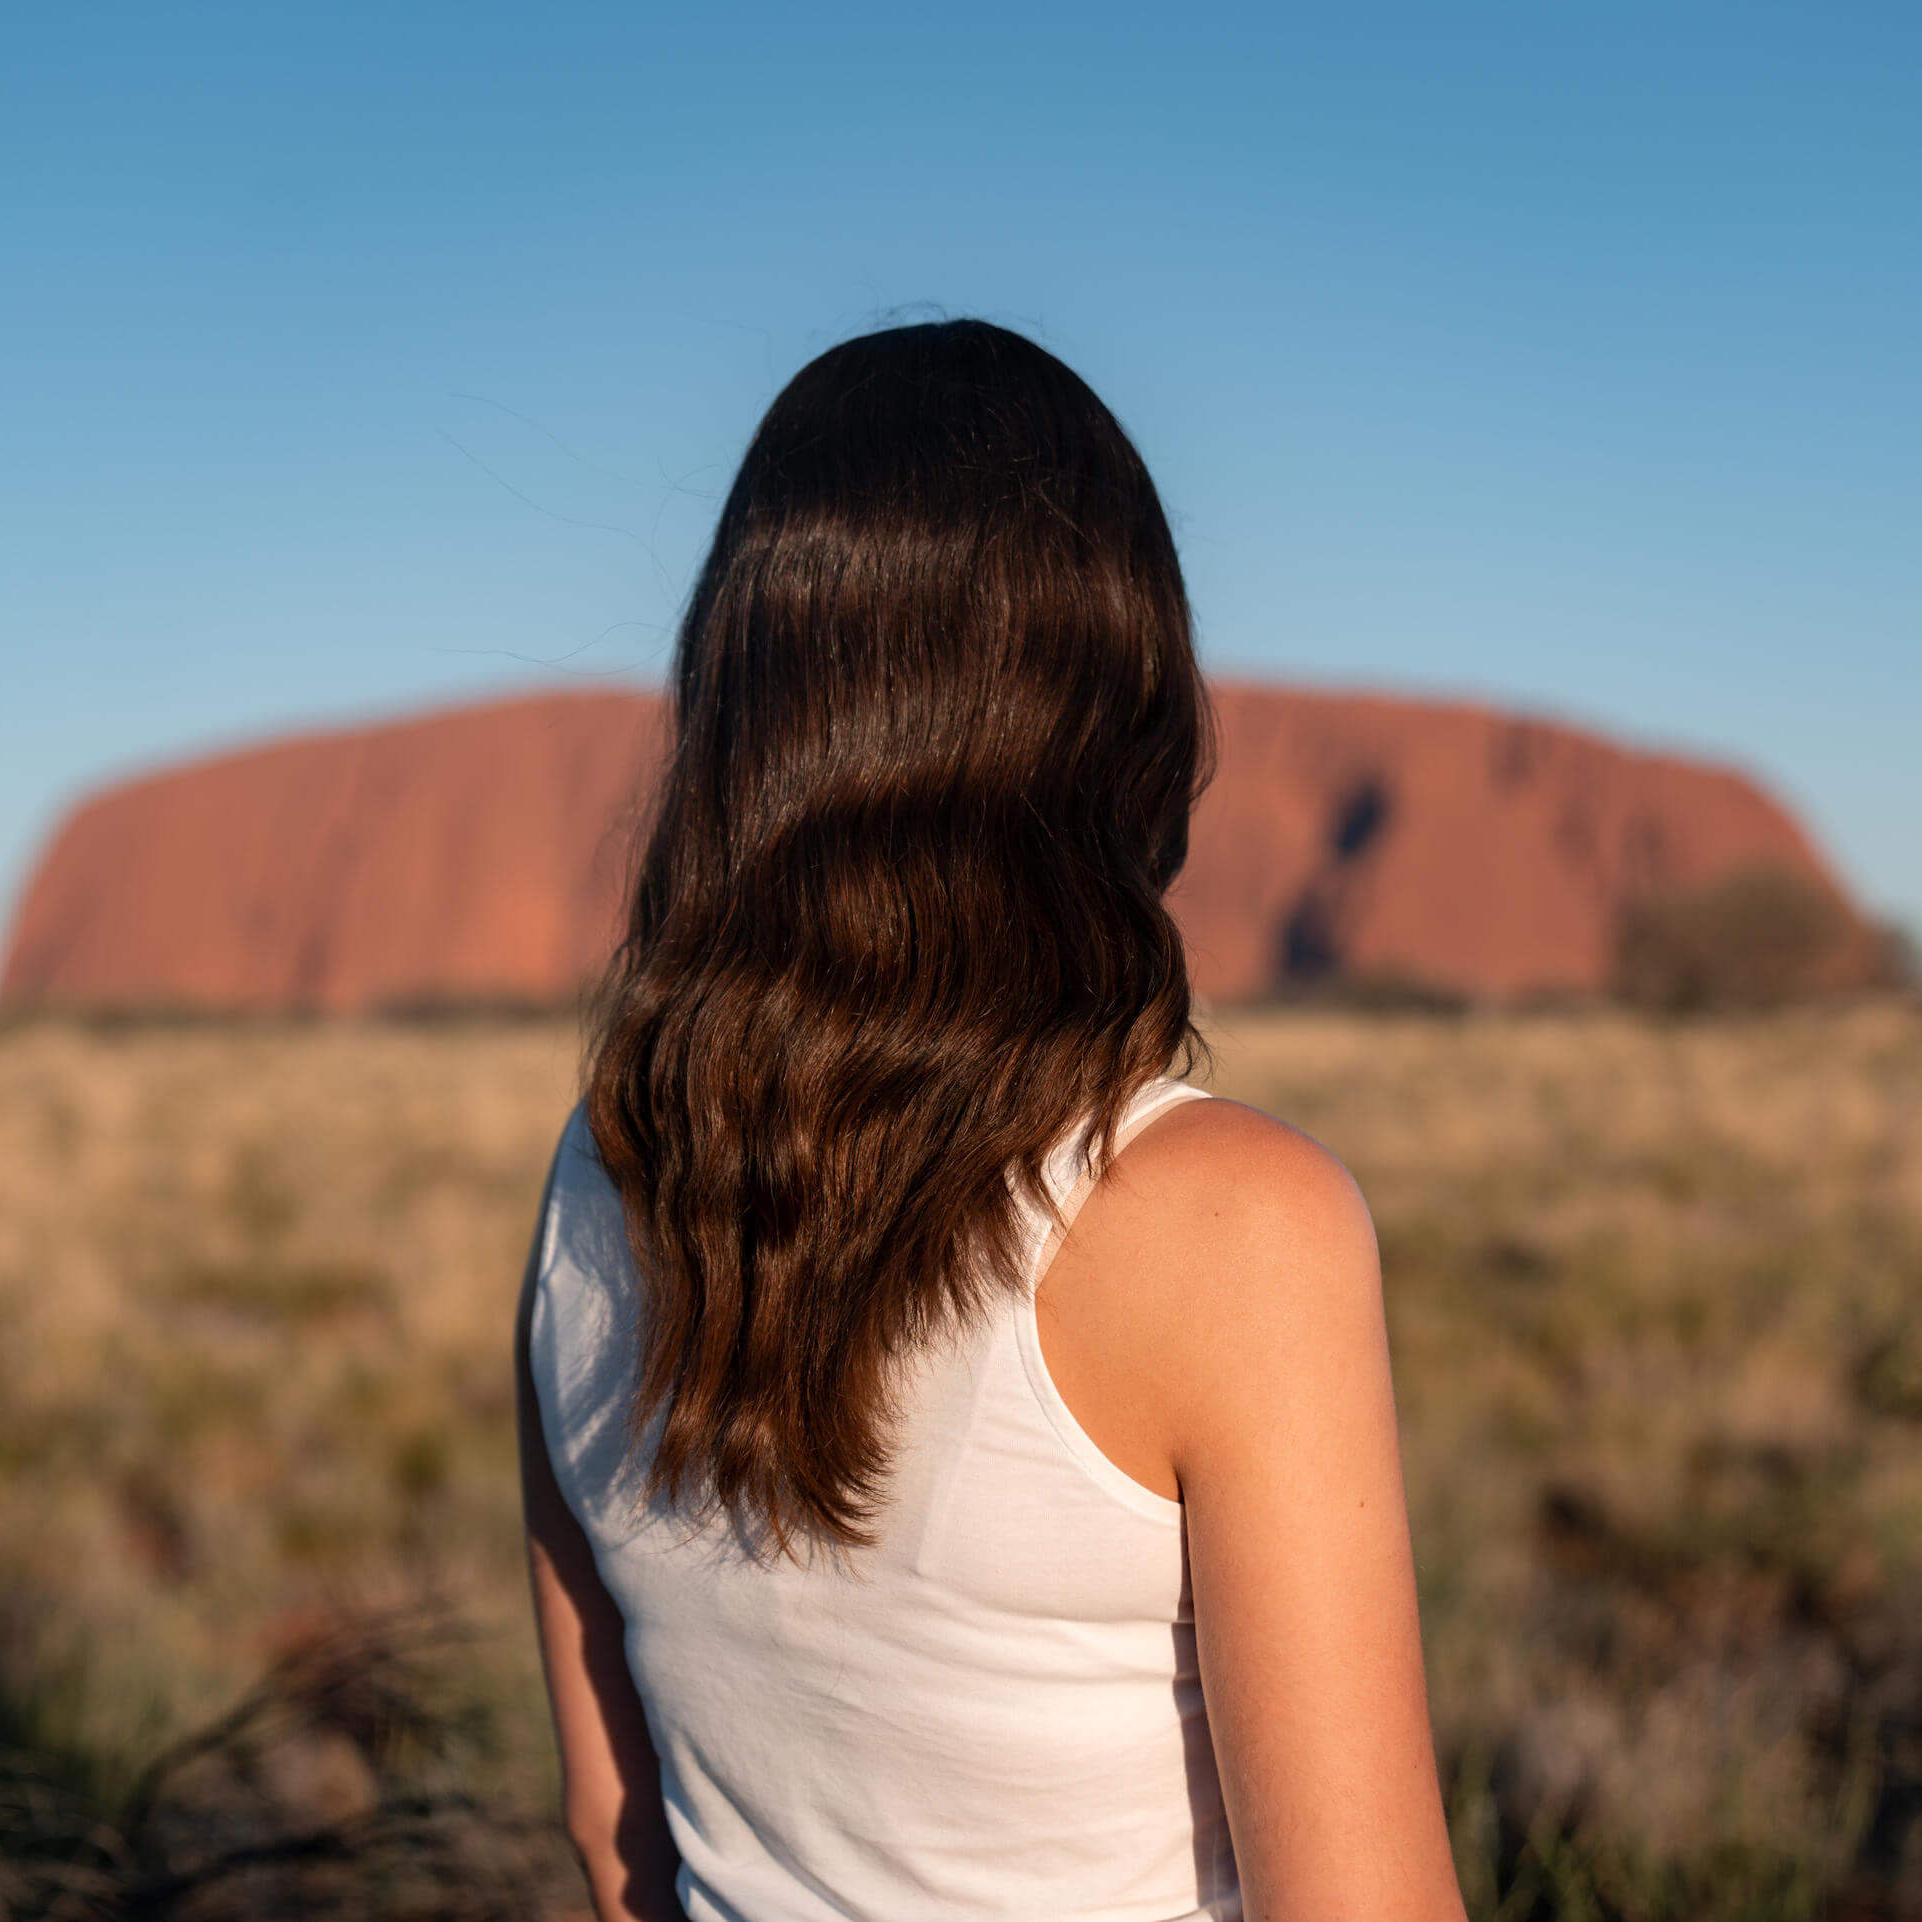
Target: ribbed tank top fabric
[994, 1711]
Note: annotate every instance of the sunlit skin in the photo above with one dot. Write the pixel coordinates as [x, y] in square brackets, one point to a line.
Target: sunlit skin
[1214, 1320]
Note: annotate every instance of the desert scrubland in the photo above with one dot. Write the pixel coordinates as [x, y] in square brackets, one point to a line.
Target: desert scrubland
[1653, 1292]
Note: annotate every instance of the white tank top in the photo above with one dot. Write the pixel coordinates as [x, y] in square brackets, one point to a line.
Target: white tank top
[992, 1712]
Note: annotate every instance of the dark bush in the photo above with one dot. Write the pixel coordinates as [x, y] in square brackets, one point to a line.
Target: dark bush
[1755, 938]
[1898, 958]
[332, 1792]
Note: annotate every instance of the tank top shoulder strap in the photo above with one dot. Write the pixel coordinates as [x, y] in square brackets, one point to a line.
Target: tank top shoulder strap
[1070, 1172]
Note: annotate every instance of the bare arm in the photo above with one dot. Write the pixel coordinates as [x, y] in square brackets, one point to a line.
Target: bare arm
[1215, 1320]
[1284, 1440]
[610, 1776]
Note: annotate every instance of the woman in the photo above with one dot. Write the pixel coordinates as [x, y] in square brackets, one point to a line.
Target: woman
[897, 1552]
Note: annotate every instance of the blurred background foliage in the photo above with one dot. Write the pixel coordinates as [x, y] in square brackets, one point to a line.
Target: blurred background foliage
[1652, 1277]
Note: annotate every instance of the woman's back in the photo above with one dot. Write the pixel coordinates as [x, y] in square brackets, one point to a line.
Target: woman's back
[993, 1710]
[844, 1615]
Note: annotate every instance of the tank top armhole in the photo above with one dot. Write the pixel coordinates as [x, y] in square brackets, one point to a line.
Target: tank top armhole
[1073, 1437]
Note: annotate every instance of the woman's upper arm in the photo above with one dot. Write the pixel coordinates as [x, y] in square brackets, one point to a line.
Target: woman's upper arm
[610, 1775]
[1281, 1421]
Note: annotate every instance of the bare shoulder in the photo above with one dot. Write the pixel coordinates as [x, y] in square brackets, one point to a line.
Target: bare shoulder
[1241, 1148]
[1223, 1252]
[1260, 1282]
[1250, 1195]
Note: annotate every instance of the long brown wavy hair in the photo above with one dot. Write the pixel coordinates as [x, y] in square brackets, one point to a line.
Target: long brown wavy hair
[897, 923]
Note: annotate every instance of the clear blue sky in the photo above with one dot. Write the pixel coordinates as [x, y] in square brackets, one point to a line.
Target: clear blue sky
[355, 357]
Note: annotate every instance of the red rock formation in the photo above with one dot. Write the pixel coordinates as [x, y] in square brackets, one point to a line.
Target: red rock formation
[473, 854]
[1447, 844]
[476, 855]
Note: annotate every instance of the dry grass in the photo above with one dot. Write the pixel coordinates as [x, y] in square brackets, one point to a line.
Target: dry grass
[1652, 1290]
[1652, 1293]
[257, 1286]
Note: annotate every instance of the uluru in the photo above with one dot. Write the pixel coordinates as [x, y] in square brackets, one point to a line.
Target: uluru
[475, 855]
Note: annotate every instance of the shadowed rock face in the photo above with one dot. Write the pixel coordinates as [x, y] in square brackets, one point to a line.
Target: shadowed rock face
[1357, 835]
[478, 854]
